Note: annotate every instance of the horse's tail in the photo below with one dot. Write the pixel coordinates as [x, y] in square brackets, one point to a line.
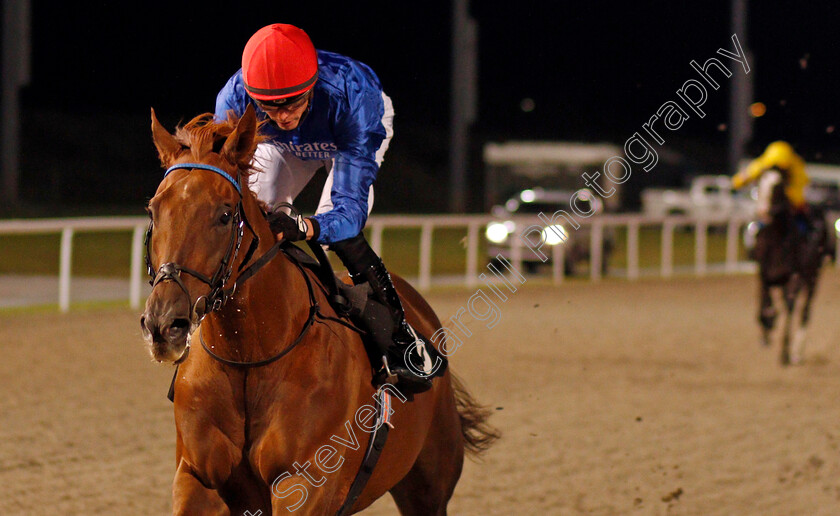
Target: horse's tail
[478, 434]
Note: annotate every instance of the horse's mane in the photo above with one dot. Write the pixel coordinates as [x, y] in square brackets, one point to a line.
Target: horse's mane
[205, 134]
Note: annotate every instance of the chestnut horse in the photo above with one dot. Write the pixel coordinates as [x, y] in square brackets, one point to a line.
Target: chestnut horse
[284, 435]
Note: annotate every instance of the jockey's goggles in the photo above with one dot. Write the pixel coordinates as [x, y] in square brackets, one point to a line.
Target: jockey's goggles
[287, 103]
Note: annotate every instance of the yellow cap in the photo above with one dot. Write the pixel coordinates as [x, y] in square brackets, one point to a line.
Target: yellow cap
[780, 153]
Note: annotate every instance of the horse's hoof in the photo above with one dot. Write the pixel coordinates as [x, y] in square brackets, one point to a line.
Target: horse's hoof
[764, 340]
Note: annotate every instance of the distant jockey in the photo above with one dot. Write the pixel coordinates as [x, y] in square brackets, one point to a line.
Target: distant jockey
[779, 156]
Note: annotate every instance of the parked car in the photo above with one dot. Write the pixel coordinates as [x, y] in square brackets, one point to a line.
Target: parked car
[708, 195]
[525, 206]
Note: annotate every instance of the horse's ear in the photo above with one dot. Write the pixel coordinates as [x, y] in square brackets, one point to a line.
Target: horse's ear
[239, 146]
[167, 146]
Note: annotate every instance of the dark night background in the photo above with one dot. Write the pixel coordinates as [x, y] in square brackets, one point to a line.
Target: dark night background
[595, 70]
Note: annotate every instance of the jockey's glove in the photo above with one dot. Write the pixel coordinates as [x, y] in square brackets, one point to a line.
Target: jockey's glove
[293, 228]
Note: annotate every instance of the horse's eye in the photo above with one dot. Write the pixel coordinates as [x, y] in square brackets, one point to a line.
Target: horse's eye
[224, 220]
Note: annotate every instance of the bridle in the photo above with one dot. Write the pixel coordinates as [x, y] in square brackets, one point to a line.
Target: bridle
[218, 295]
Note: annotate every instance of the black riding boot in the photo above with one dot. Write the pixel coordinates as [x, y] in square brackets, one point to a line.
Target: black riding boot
[408, 359]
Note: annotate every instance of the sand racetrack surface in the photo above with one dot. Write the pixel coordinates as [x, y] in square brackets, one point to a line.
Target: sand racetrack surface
[651, 397]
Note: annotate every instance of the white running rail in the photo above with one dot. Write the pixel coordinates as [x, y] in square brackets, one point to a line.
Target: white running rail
[474, 225]
[68, 228]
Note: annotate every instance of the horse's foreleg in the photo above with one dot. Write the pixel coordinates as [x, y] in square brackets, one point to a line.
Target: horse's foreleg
[189, 496]
[797, 352]
[766, 314]
[420, 493]
[790, 293]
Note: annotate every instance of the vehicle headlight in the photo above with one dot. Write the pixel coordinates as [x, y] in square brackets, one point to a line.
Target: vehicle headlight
[528, 196]
[555, 234]
[497, 232]
[837, 225]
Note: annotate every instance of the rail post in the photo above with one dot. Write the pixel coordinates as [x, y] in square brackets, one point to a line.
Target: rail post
[558, 262]
[135, 288]
[425, 281]
[472, 254]
[596, 247]
[700, 247]
[633, 250]
[64, 269]
[732, 246]
[667, 249]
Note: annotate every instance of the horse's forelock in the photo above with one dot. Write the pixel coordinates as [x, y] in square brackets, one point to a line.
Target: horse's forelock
[205, 134]
[200, 134]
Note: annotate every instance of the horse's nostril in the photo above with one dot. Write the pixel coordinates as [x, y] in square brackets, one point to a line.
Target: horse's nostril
[179, 326]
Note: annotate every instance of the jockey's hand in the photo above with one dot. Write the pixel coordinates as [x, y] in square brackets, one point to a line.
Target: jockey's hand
[292, 228]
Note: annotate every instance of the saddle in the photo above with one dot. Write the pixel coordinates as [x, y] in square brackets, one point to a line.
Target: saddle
[349, 302]
[346, 300]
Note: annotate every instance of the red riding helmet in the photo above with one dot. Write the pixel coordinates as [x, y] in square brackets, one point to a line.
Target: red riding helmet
[279, 62]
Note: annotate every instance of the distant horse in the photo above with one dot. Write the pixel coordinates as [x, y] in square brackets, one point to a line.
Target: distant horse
[788, 258]
[267, 408]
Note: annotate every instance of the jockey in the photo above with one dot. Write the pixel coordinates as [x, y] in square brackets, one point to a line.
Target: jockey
[780, 156]
[325, 110]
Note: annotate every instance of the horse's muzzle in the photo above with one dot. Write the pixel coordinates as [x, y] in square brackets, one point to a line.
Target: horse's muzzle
[165, 334]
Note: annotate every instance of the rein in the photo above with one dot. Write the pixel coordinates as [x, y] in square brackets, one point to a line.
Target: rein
[314, 311]
[314, 315]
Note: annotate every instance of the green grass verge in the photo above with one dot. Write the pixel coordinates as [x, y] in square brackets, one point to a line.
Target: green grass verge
[108, 254]
[650, 247]
[76, 306]
[98, 254]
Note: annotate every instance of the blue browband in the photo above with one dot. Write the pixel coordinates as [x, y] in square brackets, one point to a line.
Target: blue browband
[206, 167]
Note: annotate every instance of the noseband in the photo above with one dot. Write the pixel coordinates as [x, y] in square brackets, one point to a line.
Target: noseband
[218, 295]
